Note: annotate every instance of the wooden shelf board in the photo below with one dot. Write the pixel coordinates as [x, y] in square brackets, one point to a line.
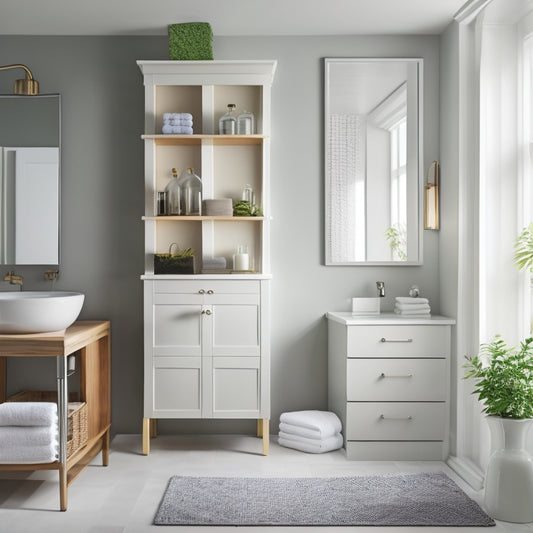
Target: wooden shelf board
[197, 139]
[171, 218]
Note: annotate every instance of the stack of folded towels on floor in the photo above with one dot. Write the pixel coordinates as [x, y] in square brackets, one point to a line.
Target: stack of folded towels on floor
[412, 307]
[310, 431]
[177, 123]
[28, 432]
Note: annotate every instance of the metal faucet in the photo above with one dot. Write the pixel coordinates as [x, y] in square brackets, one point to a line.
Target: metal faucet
[381, 288]
[14, 279]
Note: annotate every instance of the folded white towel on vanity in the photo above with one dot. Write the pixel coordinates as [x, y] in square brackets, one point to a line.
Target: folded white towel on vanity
[412, 307]
[324, 423]
[303, 444]
[410, 300]
[28, 414]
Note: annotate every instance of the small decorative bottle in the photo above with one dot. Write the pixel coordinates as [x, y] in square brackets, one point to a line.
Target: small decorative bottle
[248, 195]
[241, 260]
[173, 195]
[246, 123]
[190, 193]
[227, 125]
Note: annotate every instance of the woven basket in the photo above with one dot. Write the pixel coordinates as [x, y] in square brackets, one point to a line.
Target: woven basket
[77, 425]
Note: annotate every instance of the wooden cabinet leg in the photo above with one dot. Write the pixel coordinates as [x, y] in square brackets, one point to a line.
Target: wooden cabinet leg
[146, 436]
[153, 427]
[260, 427]
[63, 487]
[265, 433]
[105, 449]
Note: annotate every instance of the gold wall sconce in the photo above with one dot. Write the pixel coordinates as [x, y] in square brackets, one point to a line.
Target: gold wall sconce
[431, 197]
[26, 86]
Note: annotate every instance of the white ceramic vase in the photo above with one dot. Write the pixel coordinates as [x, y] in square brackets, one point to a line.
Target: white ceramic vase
[509, 478]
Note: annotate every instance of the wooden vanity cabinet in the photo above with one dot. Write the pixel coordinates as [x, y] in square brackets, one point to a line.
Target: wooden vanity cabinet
[90, 342]
[389, 383]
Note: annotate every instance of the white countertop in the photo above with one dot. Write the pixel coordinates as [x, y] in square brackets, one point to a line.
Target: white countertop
[348, 319]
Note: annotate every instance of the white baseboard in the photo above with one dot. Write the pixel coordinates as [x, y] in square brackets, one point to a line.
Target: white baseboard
[465, 468]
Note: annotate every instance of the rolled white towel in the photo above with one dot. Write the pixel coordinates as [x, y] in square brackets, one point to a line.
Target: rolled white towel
[177, 116]
[179, 130]
[412, 307]
[310, 445]
[410, 300]
[29, 454]
[323, 422]
[14, 436]
[28, 414]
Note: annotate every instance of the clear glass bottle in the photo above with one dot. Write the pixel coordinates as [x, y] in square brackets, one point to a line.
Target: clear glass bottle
[173, 195]
[248, 195]
[227, 125]
[246, 123]
[190, 193]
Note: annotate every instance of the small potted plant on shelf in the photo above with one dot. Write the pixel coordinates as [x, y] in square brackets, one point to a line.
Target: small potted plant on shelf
[503, 378]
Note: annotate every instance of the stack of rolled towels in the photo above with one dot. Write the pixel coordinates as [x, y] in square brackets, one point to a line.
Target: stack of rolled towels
[177, 123]
[412, 307]
[28, 432]
[310, 431]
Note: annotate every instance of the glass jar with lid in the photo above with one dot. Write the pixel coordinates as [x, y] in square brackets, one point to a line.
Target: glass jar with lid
[227, 125]
[173, 195]
[190, 193]
[246, 123]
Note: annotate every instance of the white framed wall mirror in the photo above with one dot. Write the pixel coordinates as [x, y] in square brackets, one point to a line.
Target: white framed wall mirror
[30, 142]
[373, 160]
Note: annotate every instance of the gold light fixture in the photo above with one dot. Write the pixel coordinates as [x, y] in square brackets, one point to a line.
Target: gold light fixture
[26, 86]
[431, 211]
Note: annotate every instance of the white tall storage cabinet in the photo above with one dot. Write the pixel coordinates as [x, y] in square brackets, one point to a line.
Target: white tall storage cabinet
[206, 336]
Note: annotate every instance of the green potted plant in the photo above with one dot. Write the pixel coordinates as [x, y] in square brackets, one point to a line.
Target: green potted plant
[503, 378]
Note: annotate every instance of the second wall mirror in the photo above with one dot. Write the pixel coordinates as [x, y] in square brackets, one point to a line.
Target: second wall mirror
[373, 154]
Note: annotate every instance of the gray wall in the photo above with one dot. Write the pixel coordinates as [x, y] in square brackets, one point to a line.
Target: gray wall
[102, 202]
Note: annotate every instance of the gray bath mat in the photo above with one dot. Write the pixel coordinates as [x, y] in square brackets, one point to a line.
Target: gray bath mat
[384, 500]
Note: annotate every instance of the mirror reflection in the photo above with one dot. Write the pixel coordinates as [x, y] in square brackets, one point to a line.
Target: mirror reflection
[29, 179]
[372, 113]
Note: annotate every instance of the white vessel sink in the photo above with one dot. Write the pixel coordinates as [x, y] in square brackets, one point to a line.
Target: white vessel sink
[38, 311]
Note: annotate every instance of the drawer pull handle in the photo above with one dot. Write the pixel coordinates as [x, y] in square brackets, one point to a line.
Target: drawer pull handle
[201, 291]
[206, 312]
[383, 339]
[383, 375]
[210, 291]
[383, 417]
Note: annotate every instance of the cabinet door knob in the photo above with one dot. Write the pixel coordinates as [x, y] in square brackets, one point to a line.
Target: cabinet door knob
[207, 312]
[210, 291]
[383, 417]
[201, 291]
[383, 339]
[383, 375]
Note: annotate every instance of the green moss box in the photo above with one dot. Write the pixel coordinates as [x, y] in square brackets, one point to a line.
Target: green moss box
[190, 41]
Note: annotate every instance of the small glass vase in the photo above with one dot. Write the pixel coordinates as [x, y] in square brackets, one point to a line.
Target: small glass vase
[173, 195]
[190, 193]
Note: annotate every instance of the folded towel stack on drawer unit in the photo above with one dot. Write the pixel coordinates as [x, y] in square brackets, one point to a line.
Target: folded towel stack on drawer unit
[310, 431]
[412, 307]
[28, 432]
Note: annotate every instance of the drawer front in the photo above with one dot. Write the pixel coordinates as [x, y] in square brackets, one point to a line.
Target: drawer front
[382, 380]
[396, 421]
[398, 341]
[201, 286]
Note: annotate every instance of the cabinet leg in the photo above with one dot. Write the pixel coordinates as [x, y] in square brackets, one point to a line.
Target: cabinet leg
[259, 427]
[146, 436]
[105, 449]
[153, 427]
[265, 433]
[63, 487]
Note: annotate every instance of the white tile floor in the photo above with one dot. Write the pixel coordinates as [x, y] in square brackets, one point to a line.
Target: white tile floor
[123, 497]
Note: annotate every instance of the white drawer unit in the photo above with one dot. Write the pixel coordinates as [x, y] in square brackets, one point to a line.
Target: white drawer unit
[388, 381]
